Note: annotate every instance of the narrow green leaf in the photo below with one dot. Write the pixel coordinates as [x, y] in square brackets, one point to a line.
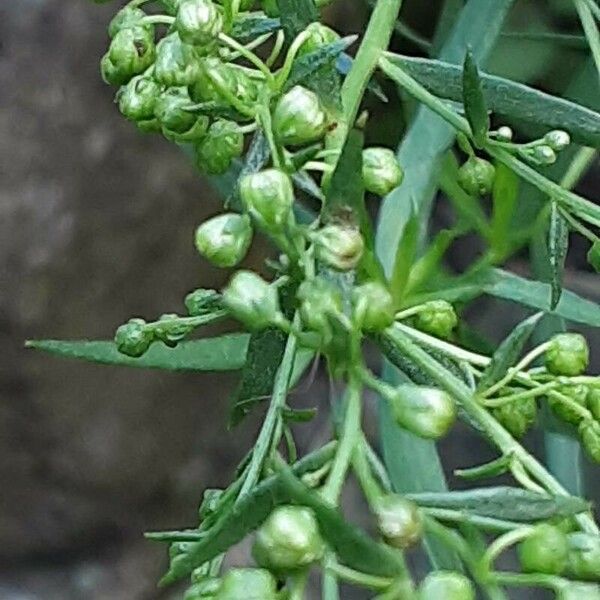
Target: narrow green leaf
[590, 28]
[491, 469]
[296, 15]
[224, 353]
[248, 27]
[558, 246]
[508, 99]
[343, 66]
[508, 352]
[405, 258]
[473, 100]
[593, 256]
[353, 547]
[514, 504]
[504, 198]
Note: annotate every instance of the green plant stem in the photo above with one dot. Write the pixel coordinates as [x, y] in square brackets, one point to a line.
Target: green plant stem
[590, 28]
[528, 580]
[356, 578]
[484, 523]
[265, 437]
[502, 543]
[492, 429]
[350, 436]
[367, 481]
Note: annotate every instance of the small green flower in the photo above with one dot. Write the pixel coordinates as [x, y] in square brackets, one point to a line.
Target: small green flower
[247, 584]
[437, 318]
[269, 198]
[134, 338]
[198, 22]
[202, 301]
[288, 540]
[224, 240]
[170, 330]
[137, 99]
[544, 551]
[339, 246]
[299, 118]
[476, 176]
[399, 521]
[578, 394]
[381, 171]
[373, 306]
[568, 354]
[251, 300]
[131, 52]
[517, 417]
[177, 64]
[222, 144]
[446, 585]
[589, 433]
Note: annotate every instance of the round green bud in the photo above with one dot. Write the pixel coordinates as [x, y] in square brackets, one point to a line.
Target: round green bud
[584, 556]
[176, 63]
[134, 338]
[201, 301]
[546, 550]
[578, 394]
[299, 118]
[320, 301]
[203, 590]
[251, 300]
[204, 90]
[339, 246]
[381, 172]
[170, 330]
[223, 143]
[476, 176]
[178, 123]
[247, 584]
[589, 433]
[131, 52]
[398, 521]
[557, 140]
[575, 590]
[446, 585]
[198, 22]
[568, 354]
[288, 540]
[504, 134]
[517, 417]
[373, 306]
[137, 99]
[269, 198]
[319, 35]
[127, 17]
[543, 155]
[224, 240]
[437, 318]
[424, 411]
[593, 401]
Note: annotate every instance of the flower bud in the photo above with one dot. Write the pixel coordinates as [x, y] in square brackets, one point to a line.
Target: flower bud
[575, 590]
[424, 411]
[543, 155]
[398, 521]
[299, 117]
[584, 556]
[249, 584]
[170, 330]
[198, 22]
[373, 306]
[446, 585]
[381, 172]
[177, 64]
[130, 53]
[504, 134]
[224, 240]
[137, 99]
[202, 301]
[339, 246]
[126, 18]
[178, 123]
[320, 302]
[222, 144]
[557, 140]
[134, 338]
[437, 318]
[544, 551]
[476, 176]
[568, 354]
[288, 540]
[203, 89]
[593, 400]
[251, 300]
[269, 197]
[578, 394]
[517, 417]
[589, 433]
[319, 35]
[203, 590]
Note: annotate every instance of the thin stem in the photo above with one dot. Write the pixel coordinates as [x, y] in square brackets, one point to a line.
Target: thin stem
[157, 20]
[504, 542]
[520, 474]
[357, 578]
[485, 523]
[528, 580]
[284, 72]
[578, 227]
[265, 437]
[297, 586]
[362, 470]
[259, 41]
[526, 395]
[277, 47]
[247, 54]
[314, 165]
[590, 28]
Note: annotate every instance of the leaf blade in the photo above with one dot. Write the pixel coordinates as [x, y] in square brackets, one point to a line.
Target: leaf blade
[473, 100]
[558, 246]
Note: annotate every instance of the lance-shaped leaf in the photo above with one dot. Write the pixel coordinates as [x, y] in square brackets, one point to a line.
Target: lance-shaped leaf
[248, 27]
[473, 100]
[514, 504]
[593, 256]
[296, 16]
[507, 99]
[508, 352]
[558, 246]
[224, 353]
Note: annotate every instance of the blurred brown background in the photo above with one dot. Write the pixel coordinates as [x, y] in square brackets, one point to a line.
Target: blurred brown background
[96, 223]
